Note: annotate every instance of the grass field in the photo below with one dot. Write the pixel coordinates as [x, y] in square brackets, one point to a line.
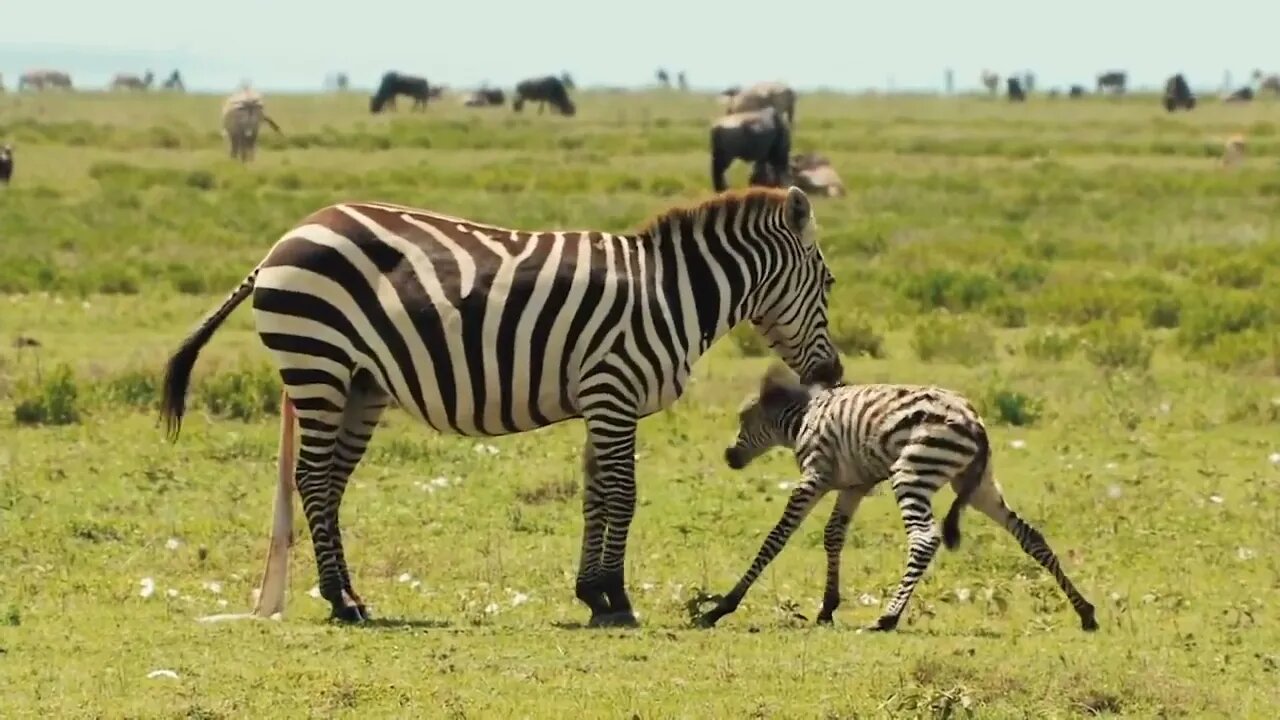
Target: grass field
[1106, 293]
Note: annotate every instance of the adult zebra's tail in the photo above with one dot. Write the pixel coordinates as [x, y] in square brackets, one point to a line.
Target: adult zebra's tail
[970, 479]
[177, 374]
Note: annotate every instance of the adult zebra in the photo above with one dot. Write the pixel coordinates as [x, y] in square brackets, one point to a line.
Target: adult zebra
[477, 330]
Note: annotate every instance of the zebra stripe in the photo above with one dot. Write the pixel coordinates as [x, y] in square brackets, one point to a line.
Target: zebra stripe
[853, 437]
[479, 330]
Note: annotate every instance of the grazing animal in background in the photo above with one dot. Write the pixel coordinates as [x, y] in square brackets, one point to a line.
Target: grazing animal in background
[1113, 80]
[129, 81]
[174, 82]
[1177, 94]
[852, 438]
[664, 80]
[761, 137]
[682, 81]
[342, 81]
[243, 113]
[42, 79]
[396, 83]
[6, 163]
[478, 330]
[814, 174]
[1014, 90]
[1076, 91]
[991, 81]
[486, 97]
[1, 82]
[1267, 82]
[762, 95]
[1233, 151]
[544, 90]
[1244, 94]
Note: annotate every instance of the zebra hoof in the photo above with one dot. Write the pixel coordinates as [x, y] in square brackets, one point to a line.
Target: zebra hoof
[1088, 623]
[349, 614]
[826, 619]
[707, 621]
[884, 624]
[623, 619]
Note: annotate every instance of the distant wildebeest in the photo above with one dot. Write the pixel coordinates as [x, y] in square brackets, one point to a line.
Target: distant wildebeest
[342, 81]
[1267, 82]
[1177, 94]
[129, 81]
[761, 137]
[663, 78]
[543, 90]
[6, 163]
[1076, 91]
[991, 81]
[174, 82]
[1244, 94]
[681, 81]
[567, 80]
[486, 97]
[1113, 80]
[1, 82]
[242, 115]
[1013, 90]
[762, 95]
[397, 83]
[41, 79]
[814, 174]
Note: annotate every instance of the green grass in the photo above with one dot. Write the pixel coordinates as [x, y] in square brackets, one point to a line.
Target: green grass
[1083, 270]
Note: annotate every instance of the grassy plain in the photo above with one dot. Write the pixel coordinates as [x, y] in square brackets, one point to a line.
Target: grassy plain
[1083, 269]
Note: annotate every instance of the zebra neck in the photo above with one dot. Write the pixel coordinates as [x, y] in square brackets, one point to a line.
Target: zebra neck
[790, 420]
[718, 285]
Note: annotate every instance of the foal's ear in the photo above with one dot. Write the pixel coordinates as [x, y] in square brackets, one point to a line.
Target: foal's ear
[798, 211]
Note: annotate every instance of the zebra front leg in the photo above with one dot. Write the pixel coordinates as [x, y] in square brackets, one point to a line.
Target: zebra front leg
[592, 537]
[833, 537]
[612, 435]
[803, 498]
[915, 500]
[990, 502]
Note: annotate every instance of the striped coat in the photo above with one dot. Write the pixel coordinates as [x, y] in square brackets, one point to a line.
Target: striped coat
[475, 329]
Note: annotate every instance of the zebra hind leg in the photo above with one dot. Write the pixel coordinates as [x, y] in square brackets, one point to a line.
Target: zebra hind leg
[915, 501]
[988, 499]
[833, 537]
[322, 420]
[365, 405]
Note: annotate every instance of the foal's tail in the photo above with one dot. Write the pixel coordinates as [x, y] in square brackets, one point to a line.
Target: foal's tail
[276, 575]
[970, 479]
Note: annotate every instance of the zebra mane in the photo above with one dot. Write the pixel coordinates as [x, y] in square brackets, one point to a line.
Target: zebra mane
[781, 385]
[738, 200]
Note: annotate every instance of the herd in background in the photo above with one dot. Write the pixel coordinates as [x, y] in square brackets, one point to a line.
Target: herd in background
[757, 125]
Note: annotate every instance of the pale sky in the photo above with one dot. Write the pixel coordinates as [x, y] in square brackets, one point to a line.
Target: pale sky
[845, 44]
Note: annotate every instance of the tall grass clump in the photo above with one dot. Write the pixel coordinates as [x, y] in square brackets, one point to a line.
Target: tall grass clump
[52, 400]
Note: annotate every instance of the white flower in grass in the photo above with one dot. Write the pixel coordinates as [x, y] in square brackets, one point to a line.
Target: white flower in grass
[440, 482]
[1216, 499]
[222, 603]
[785, 485]
[1274, 458]
[519, 599]
[148, 587]
[485, 448]
[404, 577]
[171, 592]
[213, 586]
[167, 674]
[868, 599]
[963, 594]
[172, 543]
[415, 584]
[1017, 444]
[1114, 491]
[492, 608]
[1245, 553]
[314, 592]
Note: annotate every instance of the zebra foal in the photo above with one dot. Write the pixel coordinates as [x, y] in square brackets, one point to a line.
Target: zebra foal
[478, 330]
[853, 437]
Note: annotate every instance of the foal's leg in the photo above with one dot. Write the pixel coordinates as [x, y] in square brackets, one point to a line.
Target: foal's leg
[833, 542]
[803, 498]
[914, 493]
[988, 499]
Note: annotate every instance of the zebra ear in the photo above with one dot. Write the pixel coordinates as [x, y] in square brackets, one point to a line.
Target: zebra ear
[777, 376]
[798, 212]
